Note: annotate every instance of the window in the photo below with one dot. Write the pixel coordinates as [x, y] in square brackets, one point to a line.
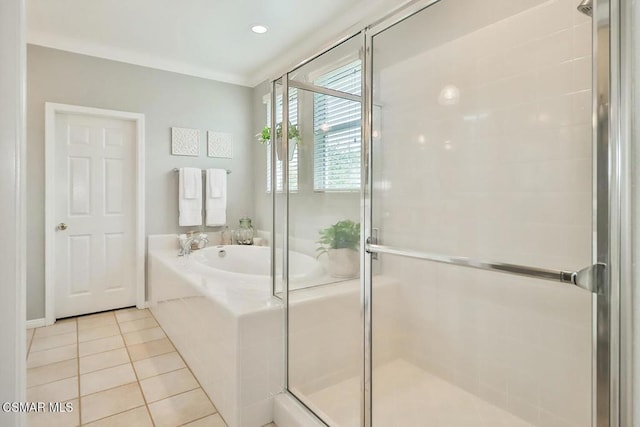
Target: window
[337, 132]
[293, 163]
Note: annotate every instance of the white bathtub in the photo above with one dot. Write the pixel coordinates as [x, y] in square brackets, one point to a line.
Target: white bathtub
[253, 264]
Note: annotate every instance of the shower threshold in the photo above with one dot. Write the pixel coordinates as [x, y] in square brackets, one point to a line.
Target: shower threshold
[405, 395]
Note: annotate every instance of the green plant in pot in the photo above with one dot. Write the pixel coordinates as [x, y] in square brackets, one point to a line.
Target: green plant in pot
[264, 137]
[340, 242]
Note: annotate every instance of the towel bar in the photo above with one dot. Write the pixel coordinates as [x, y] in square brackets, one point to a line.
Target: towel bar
[203, 170]
[589, 278]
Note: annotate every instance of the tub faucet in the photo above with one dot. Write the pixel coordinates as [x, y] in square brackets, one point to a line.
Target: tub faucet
[185, 246]
[203, 240]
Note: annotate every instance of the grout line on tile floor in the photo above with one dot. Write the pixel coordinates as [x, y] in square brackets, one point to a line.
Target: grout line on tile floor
[114, 414]
[111, 415]
[190, 371]
[54, 347]
[141, 318]
[110, 388]
[177, 394]
[102, 369]
[96, 339]
[139, 330]
[167, 372]
[185, 392]
[53, 381]
[52, 334]
[202, 418]
[144, 398]
[103, 351]
[57, 361]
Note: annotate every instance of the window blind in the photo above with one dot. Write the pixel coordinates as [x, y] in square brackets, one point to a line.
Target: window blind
[293, 163]
[337, 131]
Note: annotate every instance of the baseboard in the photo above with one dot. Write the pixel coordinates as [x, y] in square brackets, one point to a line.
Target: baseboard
[36, 323]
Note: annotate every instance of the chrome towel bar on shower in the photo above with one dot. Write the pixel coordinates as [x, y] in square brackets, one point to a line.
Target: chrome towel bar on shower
[590, 278]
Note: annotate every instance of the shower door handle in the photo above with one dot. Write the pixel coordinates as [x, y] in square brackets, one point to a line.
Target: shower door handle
[373, 240]
[591, 278]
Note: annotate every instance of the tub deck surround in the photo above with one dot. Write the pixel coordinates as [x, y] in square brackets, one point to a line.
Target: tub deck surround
[229, 329]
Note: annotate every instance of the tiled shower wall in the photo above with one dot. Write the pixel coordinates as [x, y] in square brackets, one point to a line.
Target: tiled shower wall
[502, 173]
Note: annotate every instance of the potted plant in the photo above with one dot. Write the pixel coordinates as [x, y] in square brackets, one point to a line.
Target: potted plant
[341, 242]
[294, 138]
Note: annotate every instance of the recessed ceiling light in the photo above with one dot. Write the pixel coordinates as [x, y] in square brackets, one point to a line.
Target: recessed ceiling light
[449, 95]
[259, 29]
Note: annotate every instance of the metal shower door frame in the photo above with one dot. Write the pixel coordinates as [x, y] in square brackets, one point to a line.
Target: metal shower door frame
[286, 82]
[611, 181]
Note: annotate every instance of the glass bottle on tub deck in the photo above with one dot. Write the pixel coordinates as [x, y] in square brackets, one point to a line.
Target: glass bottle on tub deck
[225, 236]
[244, 234]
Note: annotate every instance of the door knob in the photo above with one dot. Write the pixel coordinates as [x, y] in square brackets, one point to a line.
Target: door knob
[62, 226]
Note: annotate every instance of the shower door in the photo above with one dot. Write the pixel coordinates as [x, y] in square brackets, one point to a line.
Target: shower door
[322, 256]
[483, 300]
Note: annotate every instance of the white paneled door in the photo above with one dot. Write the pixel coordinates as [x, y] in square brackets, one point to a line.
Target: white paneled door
[95, 213]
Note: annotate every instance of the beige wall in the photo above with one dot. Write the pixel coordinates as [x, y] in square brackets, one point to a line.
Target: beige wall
[167, 99]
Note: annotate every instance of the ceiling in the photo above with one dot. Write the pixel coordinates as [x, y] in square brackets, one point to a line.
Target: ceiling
[204, 38]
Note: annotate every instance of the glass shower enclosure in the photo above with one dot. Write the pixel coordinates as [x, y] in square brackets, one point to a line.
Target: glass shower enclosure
[446, 167]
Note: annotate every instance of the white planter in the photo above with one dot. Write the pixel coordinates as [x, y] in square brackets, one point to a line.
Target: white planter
[343, 263]
[292, 147]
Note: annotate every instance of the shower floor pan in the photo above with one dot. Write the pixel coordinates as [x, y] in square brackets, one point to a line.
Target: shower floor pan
[405, 395]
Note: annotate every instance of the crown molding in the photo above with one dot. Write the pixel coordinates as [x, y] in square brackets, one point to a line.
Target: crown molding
[351, 21]
[131, 57]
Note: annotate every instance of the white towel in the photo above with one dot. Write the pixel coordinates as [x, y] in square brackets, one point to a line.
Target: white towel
[190, 197]
[216, 200]
[191, 181]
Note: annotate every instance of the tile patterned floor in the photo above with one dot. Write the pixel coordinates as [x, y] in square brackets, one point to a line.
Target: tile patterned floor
[117, 368]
